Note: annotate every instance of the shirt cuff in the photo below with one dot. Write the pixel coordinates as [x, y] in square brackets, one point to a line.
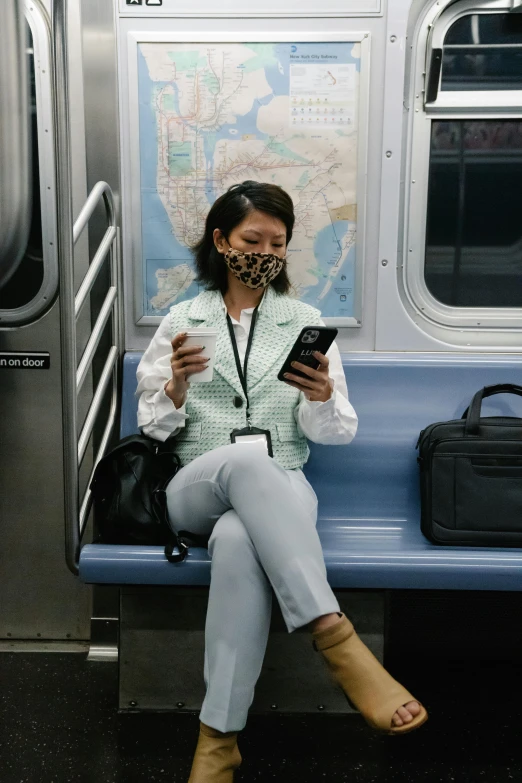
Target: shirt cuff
[167, 418]
[321, 409]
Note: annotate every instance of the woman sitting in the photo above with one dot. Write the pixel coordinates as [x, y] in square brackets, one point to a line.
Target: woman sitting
[259, 511]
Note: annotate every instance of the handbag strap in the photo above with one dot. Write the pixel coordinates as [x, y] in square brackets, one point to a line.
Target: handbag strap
[472, 414]
[175, 541]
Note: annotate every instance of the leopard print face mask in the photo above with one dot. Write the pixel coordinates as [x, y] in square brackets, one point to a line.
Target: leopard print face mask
[255, 270]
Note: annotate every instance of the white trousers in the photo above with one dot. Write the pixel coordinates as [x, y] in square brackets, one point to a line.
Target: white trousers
[262, 521]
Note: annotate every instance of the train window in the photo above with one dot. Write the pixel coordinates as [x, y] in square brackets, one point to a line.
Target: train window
[483, 52]
[27, 280]
[33, 286]
[463, 237]
[473, 250]
[474, 57]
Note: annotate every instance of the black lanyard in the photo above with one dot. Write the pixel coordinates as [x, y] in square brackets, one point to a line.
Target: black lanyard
[242, 371]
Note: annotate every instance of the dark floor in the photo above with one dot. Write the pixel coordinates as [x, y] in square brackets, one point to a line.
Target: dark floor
[59, 723]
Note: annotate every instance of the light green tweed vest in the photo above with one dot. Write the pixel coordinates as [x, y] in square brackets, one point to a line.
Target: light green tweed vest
[210, 406]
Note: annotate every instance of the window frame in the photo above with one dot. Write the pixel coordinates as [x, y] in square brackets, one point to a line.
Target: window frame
[29, 312]
[486, 106]
[466, 100]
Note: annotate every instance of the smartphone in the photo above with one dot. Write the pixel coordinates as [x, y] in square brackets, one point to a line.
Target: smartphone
[312, 338]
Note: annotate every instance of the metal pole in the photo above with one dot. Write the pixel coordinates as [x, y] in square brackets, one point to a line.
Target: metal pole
[66, 285]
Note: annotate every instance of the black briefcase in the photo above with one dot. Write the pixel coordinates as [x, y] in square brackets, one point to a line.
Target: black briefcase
[471, 477]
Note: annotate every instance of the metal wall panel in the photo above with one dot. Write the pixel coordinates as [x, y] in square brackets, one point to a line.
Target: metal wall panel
[100, 94]
[100, 107]
[40, 597]
[162, 653]
[100, 112]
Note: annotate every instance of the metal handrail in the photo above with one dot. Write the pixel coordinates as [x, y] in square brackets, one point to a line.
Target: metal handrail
[100, 189]
[97, 400]
[94, 268]
[87, 500]
[96, 335]
[15, 131]
[73, 375]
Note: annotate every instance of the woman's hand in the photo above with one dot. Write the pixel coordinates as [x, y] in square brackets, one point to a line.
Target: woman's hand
[184, 363]
[317, 386]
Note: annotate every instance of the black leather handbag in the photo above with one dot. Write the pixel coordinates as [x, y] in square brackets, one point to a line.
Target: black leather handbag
[130, 502]
[471, 477]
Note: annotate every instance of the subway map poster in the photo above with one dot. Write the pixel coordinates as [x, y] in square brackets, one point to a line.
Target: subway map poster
[214, 114]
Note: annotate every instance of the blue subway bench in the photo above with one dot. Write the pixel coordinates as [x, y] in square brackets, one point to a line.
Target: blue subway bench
[369, 509]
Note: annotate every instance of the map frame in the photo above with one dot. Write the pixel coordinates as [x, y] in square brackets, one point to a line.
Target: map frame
[271, 9]
[131, 163]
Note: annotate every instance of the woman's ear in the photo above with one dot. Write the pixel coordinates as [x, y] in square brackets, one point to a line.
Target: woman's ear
[219, 241]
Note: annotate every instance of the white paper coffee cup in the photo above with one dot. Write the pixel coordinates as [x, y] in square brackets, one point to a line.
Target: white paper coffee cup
[201, 335]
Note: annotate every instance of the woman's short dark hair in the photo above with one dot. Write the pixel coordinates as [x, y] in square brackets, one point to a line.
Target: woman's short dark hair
[227, 212]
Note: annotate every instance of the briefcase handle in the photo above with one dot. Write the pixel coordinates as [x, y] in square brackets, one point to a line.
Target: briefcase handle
[472, 414]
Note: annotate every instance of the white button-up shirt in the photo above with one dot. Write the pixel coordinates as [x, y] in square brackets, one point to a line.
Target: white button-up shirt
[332, 422]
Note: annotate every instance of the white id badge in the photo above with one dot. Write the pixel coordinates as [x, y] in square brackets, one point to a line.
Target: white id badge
[253, 436]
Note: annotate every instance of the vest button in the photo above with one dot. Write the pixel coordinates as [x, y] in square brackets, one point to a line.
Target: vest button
[238, 402]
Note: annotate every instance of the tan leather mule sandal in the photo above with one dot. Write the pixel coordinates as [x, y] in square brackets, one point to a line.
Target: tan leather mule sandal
[217, 756]
[365, 682]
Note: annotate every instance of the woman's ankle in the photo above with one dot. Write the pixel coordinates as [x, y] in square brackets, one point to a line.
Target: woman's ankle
[214, 733]
[325, 621]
